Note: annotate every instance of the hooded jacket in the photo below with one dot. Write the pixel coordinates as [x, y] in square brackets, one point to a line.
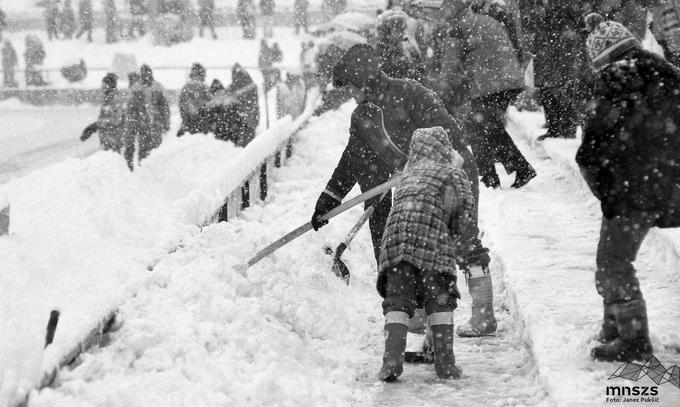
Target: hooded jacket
[405, 105]
[432, 206]
[631, 143]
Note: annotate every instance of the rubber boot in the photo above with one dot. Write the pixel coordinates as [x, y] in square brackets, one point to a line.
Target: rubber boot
[441, 324]
[482, 321]
[633, 341]
[608, 332]
[396, 328]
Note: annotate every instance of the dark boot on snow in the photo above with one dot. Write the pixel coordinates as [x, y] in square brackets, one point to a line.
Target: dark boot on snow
[396, 329]
[633, 341]
[523, 176]
[442, 342]
[608, 332]
[491, 180]
[482, 320]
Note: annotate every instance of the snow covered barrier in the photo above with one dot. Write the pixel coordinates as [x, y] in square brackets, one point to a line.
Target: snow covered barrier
[85, 232]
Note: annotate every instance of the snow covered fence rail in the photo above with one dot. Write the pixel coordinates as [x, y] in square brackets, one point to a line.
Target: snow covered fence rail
[269, 151]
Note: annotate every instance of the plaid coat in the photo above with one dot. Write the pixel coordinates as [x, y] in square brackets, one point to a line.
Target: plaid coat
[432, 206]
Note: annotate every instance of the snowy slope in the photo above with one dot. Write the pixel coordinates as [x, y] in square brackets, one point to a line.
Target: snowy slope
[82, 231]
[202, 330]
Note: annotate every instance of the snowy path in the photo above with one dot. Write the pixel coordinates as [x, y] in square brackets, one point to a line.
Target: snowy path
[201, 330]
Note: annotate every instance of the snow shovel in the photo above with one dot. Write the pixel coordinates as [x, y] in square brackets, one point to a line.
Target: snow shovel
[300, 230]
[339, 268]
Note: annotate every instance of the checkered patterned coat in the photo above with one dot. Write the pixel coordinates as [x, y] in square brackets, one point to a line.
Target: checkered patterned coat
[432, 206]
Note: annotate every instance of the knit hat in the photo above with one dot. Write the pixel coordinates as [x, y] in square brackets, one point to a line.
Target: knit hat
[359, 67]
[110, 80]
[608, 40]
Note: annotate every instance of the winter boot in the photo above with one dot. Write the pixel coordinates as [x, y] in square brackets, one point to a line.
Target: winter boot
[426, 352]
[491, 180]
[608, 332]
[482, 321]
[441, 324]
[633, 341]
[523, 176]
[396, 327]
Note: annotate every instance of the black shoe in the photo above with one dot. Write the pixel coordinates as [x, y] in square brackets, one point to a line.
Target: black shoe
[523, 177]
[557, 134]
[491, 181]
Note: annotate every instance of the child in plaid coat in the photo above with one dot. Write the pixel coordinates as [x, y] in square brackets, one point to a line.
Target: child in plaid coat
[432, 206]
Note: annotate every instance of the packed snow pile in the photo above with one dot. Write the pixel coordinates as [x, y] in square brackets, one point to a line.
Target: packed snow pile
[84, 232]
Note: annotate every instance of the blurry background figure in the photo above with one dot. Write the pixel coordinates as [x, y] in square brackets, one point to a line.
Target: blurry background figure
[559, 56]
[245, 12]
[667, 29]
[52, 19]
[157, 110]
[192, 102]
[247, 103]
[399, 54]
[631, 13]
[110, 124]
[267, 57]
[331, 8]
[111, 21]
[75, 71]
[206, 15]
[3, 22]
[220, 115]
[137, 120]
[67, 20]
[267, 11]
[34, 56]
[9, 64]
[175, 23]
[290, 96]
[308, 63]
[138, 12]
[85, 16]
[301, 19]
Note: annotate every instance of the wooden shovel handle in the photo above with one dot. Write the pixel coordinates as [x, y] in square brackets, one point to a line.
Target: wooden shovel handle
[300, 230]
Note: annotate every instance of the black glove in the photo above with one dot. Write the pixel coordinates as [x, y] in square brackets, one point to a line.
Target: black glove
[89, 130]
[324, 204]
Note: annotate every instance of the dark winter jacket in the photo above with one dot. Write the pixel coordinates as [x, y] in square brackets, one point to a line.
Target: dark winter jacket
[85, 13]
[9, 57]
[480, 59]
[157, 106]
[405, 105]
[206, 12]
[631, 142]
[243, 85]
[267, 7]
[224, 119]
[192, 105]
[67, 20]
[111, 122]
[559, 43]
[432, 206]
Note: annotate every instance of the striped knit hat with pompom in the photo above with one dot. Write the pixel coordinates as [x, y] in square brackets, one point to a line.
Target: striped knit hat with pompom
[607, 40]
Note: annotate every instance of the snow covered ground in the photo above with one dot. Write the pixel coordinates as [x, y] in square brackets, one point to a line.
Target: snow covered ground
[200, 329]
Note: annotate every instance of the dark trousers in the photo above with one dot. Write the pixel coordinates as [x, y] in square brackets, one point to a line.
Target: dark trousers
[408, 288]
[559, 105]
[491, 142]
[620, 240]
